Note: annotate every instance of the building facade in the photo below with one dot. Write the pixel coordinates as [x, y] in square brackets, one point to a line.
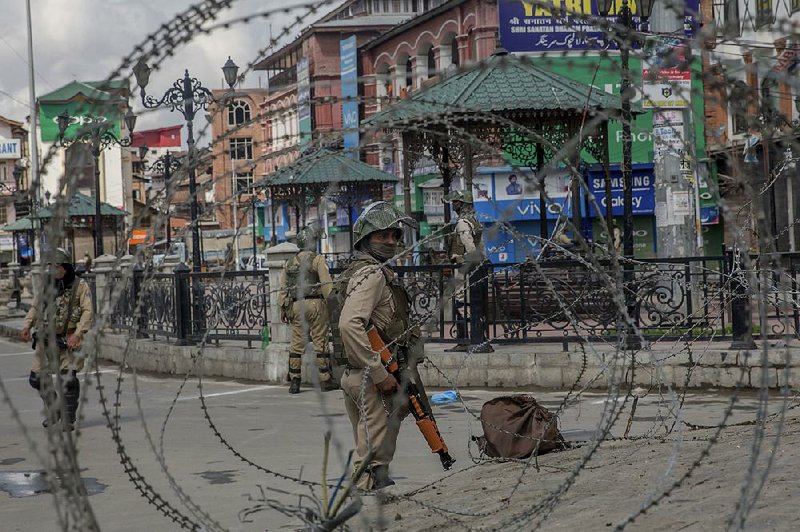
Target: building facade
[88, 102]
[751, 65]
[241, 143]
[14, 199]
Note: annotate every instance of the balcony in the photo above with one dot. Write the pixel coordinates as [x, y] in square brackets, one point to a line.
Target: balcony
[284, 79]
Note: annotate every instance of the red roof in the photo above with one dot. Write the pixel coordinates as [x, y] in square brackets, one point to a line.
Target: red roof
[163, 137]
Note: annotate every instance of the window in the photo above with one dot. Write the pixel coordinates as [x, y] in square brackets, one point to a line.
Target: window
[409, 74]
[770, 101]
[739, 96]
[454, 51]
[136, 194]
[241, 148]
[3, 213]
[242, 181]
[431, 63]
[726, 17]
[238, 113]
[764, 15]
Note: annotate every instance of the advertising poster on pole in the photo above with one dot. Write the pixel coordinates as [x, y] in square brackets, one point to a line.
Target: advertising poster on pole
[666, 76]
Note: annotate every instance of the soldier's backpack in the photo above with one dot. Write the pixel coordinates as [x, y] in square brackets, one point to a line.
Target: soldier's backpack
[516, 426]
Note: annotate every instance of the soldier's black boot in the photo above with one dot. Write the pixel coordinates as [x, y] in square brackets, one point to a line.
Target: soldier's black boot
[326, 382]
[328, 385]
[294, 386]
[380, 477]
[72, 391]
[48, 395]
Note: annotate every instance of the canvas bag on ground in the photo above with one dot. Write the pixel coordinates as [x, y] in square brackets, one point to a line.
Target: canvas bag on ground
[503, 418]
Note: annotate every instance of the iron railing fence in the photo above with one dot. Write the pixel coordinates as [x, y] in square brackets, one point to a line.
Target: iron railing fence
[550, 301]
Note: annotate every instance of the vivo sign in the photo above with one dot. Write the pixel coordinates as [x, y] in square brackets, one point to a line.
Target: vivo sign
[10, 149]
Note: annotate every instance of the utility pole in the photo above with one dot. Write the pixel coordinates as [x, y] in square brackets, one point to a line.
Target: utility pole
[678, 229]
[35, 184]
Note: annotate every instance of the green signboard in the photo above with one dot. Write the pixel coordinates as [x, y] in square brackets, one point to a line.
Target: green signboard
[604, 74]
[82, 113]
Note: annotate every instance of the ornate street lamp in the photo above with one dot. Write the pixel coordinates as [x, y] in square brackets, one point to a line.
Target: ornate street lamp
[186, 96]
[629, 35]
[99, 136]
[167, 165]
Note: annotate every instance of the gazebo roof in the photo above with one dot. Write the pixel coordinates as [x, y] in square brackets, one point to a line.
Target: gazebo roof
[23, 224]
[82, 205]
[502, 83]
[325, 166]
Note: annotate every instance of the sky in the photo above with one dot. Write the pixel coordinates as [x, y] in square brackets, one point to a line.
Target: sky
[86, 40]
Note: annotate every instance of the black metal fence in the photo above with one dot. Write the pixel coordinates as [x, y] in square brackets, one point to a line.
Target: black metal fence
[191, 307]
[557, 301]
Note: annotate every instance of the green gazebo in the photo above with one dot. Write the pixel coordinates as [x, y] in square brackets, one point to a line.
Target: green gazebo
[79, 218]
[324, 173]
[506, 105]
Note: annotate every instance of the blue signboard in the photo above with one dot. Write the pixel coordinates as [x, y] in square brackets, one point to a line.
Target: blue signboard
[304, 102]
[527, 26]
[644, 189]
[505, 194]
[349, 73]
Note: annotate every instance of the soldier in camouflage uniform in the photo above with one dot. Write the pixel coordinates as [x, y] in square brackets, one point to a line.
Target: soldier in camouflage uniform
[71, 312]
[373, 295]
[305, 283]
[465, 249]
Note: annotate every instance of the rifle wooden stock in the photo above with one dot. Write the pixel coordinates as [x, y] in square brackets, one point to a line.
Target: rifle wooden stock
[377, 344]
[425, 421]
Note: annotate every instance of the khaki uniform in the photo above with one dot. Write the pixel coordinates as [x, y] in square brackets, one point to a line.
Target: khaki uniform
[374, 296]
[305, 283]
[81, 314]
[464, 246]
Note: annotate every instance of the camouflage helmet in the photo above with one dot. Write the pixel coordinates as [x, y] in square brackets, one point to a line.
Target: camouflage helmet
[377, 217]
[458, 195]
[59, 256]
[308, 236]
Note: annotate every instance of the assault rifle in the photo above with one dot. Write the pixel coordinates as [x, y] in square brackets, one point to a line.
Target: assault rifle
[425, 422]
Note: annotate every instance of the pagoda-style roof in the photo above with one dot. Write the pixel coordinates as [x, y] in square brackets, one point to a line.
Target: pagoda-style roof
[82, 205]
[22, 224]
[503, 83]
[324, 166]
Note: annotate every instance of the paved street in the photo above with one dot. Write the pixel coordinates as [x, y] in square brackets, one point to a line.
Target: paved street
[264, 424]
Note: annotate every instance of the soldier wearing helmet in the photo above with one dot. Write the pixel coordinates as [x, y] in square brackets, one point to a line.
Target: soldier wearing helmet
[305, 283]
[67, 313]
[373, 296]
[464, 243]
[464, 247]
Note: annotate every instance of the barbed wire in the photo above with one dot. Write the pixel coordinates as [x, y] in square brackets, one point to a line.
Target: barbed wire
[619, 367]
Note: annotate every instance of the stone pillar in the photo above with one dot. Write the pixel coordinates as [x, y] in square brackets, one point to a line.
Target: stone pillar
[103, 269]
[16, 285]
[169, 263]
[277, 360]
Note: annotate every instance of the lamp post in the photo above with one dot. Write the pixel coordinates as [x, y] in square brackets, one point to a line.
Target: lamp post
[186, 96]
[255, 225]
[626, 25]
[166, 165]
[99, 136]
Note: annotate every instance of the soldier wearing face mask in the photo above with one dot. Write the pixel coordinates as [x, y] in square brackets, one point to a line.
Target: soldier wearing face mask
[67, 315]
[374, 296]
